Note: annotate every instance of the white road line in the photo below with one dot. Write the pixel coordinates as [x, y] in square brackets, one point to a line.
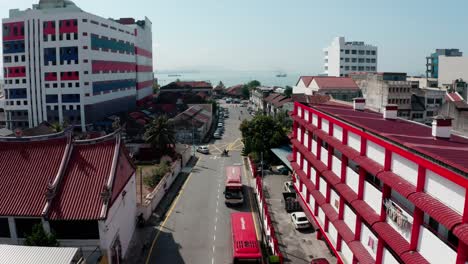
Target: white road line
[212, 260]
[215, 230]
[213, 248]
[214, 237]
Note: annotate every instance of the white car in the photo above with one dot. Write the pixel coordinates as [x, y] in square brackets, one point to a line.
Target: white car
[203, 149]
[299, 220]
[288, 186]
[217, 135]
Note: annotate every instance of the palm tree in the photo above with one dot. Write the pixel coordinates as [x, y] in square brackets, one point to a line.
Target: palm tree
[160, 134]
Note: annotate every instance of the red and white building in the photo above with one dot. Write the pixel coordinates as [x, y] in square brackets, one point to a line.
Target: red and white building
[381, 189]
[82, 190]
[64, 64]
[340, 88]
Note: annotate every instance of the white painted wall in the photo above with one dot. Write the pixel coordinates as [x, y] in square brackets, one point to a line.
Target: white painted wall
[324, 156]
[311, 203]
[323, 187]
[338, 132]
[306, 115]
[298, 182]
[325, 125]
[352, 179]
[335, 200]
[299, 111]
[304, 191]
[313, 175]
[349, 218]
[336, 166]
[299, 134]
[346, 253]
[333, 234]
[120, 219]
[354, 141]
[405, 168]
[314, 147]
[388, 258]
[300, 87]
[321, 216]
[306, 139]
[433, 249]
[314, 120]
[372, 197]
[298, 158]
[305, 166]
[375, 152]
[450, 193]
[367, 237]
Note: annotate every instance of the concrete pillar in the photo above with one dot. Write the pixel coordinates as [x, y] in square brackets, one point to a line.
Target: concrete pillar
[12, 225]
[46, 225]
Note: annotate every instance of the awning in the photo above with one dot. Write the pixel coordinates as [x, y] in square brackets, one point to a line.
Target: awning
[282, 153]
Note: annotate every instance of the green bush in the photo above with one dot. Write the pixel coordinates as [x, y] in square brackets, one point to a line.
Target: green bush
[40, 238]
[157, 174]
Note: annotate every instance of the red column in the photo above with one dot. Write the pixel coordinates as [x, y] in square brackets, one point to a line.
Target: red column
[362, 177]
[379, 253]
[418, 214]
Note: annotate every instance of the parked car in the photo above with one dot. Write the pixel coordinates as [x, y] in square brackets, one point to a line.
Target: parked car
[299, 220]
[290, 202]
[281, 169]
[288, 186]
[226, 115]
[203, 149]
[220, 124]
[217, 135]
[320, 261]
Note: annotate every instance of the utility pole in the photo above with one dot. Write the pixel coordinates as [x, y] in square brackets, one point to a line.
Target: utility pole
[263, 195]
[193, 137]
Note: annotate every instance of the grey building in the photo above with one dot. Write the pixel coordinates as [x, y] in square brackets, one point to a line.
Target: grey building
[258, 95]
[432, 61]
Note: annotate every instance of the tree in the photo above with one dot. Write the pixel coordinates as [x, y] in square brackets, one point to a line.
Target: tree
[284, 120]
[245, 91]
[254, 84]
[160, 134]
[261, 134]
[40, 238]
[288, 91]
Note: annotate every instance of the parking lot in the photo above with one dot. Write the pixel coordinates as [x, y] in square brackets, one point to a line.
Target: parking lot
[297, 246]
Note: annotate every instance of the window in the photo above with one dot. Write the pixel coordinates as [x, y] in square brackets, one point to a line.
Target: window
[361, 60]
[346, 59]
[353, 60]
[373, 52]
[346, 51]
[372, 179]
[54, 85]
[70, 85]
[337, 154]
[85, 20]
[360, 68]
[429, 113]
[353, 52]
[368, 52]
[438, 101]
[23, 58]
[373, 60]
[346, 68]
[361, 52]
[324, 144]
[353, 68]
[85, 33]
[62, 85]
[353, 165]
[368, 60]
[86, 72]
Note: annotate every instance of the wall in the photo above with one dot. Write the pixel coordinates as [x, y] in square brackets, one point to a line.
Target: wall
[121, 218]
[350, 218]
[388, 258]
[333, 234]
[452, 68]
[352, 179]
[427, 244]
[346, 253]
[372, 197]
[369, 240]
[375, 152]
[405, 168]
[447, 192]
[336, 166]
[335, 200]
[323, 187]
[354, 141]
[338, 132]
[324, 156]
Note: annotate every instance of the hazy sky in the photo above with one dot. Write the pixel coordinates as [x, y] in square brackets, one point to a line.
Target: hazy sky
[286, 35]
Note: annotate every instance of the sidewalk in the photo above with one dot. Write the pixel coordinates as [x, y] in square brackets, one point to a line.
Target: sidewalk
[143, 237]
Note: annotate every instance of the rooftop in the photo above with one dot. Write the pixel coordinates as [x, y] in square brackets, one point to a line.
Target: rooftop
[24, 254]
[61, 178]
[410, 135]
[328, 82]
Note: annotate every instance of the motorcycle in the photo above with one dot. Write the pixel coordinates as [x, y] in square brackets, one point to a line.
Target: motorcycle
[225, 153]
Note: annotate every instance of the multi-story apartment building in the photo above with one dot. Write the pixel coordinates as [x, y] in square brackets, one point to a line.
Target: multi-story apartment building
[258, 95]
[64, 64]
[383, 88]
[381, 189]
[452, 69]
[342, 57]
[432, 61]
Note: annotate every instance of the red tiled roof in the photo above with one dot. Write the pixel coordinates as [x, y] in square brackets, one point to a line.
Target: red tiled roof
[270, 98]
[330, 212]
[26, 168]
[235, 90]
[306, 79]
[360, 252]
[280, 103]
[391, 237]
[88, 170]
[346, 192]
[461, 231]
[123, 173]
[365, 211]
[415, 136]
[397, 183]
[368, 164]
[436, 209]
[454, 97]
[194, 84]
[327, 82]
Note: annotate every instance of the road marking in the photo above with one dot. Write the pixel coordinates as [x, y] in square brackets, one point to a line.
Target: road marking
[214, 237]
[215, 230]
[251, 202]
[168, 214]
[212, 260]
[213, 248]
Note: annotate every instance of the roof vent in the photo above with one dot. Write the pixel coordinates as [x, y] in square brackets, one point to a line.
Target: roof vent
[441, 127]
[359, 103]
[390, 111]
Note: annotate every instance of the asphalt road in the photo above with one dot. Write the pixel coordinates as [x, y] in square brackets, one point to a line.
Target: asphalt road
[197, 227]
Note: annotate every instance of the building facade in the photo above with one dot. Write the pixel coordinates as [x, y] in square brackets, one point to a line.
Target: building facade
[432, 61]
[452, 69]
[342, 57]
[257, 97]
[62, 64]
[381, 189]
[339, 88]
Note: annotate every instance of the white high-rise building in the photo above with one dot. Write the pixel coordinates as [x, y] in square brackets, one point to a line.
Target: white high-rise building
[343, 57]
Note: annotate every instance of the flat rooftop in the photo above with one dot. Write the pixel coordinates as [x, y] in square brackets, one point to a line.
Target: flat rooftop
[415, 137]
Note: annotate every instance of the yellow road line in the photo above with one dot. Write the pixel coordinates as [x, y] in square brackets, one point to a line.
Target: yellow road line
[169, 214]
[250, 199]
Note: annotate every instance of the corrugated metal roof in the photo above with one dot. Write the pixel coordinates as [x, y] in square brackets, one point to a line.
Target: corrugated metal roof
[88, 170]
[397, 183]
[328, 82]
[436, 209]
[360, 252]
[413, 257]
[346, 234]
[27, 255]
[461, 231]
[365, 211]
[26, 168]
[391, 237]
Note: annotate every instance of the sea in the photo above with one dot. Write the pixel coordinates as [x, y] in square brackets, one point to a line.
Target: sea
[230, 78]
